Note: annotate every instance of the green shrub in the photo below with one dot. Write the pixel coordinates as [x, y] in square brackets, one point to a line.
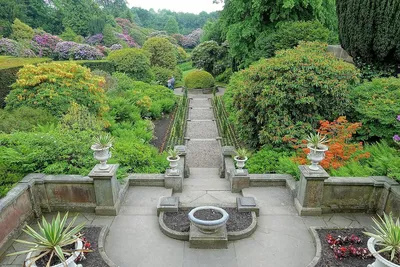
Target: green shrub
[21, 31]
[8, 180]
[109, 37]
[162, 52]
[162, 75]
[211, 57]
[181, 54]
[24, 119]
[266, 160]
[69, 35]
[132, 61]
[103, 65]
[289, 34]
[185, 66]
[199, 79]
[79, 118]
[353, 169]
[377, 104]
[138, 36]
[384, 160]
[225, 76]
[54, 86]
[277, 100]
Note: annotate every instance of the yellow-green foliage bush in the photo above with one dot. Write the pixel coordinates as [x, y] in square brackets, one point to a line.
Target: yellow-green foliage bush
[134, 62]
[21, 31]
[199, 79]
[54, 86]
[276, 101]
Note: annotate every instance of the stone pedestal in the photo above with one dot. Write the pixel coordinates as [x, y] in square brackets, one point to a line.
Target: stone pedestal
[174, 180]
[182, 164]
[106, 187]
[216, 240]
[167, 204]
[247, 204]
[310, 192]
[240, 179]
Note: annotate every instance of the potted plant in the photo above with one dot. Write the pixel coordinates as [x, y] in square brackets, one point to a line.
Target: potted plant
[317, 149]
[101, 149]
[241, 157]
[54, 244]
[387, 239]
[173, 158]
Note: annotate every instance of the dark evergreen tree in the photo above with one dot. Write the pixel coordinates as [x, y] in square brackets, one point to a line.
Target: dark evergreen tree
[370, 30]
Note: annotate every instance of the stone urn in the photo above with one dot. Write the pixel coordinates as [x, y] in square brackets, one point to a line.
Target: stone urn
[70, 262]
[173, 163]
[102, 154]
[208, 226]
[240, 163]
[316, 155]
[379, 260]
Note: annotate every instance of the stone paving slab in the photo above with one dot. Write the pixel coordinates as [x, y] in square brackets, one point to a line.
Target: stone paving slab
[201, 129]
[203, 154]
[199, 102]
[201, 114]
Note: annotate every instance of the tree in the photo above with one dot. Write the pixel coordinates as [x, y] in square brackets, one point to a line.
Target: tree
[243, 21]
[171, 26]
[162, 52]
[69, 35]
[21, 31]
[109, 35]
[370, 30]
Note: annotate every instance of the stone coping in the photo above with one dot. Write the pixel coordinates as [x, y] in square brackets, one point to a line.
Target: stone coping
[184, 236]
[317, 241]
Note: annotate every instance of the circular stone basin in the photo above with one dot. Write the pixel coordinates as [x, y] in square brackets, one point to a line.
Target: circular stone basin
[208, 226]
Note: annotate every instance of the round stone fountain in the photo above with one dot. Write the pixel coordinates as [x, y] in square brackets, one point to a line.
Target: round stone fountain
[208, 226]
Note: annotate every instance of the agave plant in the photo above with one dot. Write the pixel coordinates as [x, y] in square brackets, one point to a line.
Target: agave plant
[103, 141]
[51, 239]
[242, 153]
[316, 140]
[173, 153]
[387, 234]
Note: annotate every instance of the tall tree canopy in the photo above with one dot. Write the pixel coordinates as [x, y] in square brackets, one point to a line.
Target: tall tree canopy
[370, 30]
[243, 21]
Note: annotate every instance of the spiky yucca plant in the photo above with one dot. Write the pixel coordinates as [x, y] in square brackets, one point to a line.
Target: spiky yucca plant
[316, 139]
[104, 140]
[51, 239]
[242, 153]
[387, 234]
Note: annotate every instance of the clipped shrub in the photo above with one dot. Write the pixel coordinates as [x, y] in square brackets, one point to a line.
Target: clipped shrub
[276, 101]
[199, 79]
[21, 31]
[181, 55]
[54, 86]
[43, 44]
[132, 61]
[162, 52]
[24, 119]
[377, 104]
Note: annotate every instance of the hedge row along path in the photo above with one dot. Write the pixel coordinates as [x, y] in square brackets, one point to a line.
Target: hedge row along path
[204, 186]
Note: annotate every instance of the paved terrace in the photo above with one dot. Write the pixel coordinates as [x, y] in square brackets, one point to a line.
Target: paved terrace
[281, 239]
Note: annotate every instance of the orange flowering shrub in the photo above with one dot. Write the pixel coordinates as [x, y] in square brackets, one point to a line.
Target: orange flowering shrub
[341, 150]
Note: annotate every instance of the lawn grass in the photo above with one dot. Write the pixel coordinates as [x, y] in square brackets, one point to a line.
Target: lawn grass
[7, 62]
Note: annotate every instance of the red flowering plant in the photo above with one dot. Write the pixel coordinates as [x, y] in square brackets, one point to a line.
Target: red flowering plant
[341, 149]
[344, 246]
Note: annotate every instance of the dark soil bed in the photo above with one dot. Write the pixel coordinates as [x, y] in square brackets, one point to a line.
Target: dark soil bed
[208, 215]
[161, 131]
[179, 221]
[93, 259]
[327, 256]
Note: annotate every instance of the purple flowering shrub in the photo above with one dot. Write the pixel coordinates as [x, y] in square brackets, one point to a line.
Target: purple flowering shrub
[192, 39]
[127, 39]
[125, 24]
[10, 47]
[44, 44]
[116, 47]
[86, 52]
[72, 50]
[94, 39]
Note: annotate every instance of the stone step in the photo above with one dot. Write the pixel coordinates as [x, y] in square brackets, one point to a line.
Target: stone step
[206, 184]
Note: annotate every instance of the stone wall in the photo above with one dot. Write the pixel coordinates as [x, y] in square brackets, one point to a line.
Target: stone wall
[339, 52]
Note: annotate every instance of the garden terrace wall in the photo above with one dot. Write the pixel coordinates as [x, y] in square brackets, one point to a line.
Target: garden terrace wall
[38, 193]
[375, 194]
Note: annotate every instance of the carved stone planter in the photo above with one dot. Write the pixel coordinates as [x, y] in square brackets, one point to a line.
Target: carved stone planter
[379, 260]
[316, 155]
[208, 227]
